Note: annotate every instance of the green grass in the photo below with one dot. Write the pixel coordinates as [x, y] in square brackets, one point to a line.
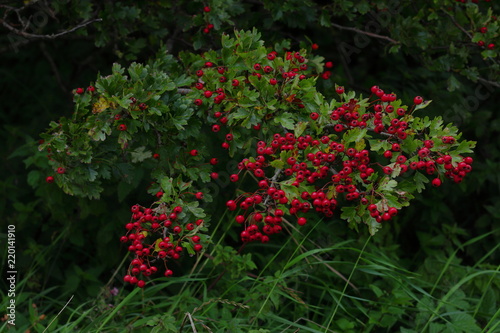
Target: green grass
[291, 285]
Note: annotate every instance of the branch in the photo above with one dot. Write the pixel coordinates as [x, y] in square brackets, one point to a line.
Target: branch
[184, 91]
[53, 66]
[458, 25]
[53, 36]
[371, 34]
[491, 83]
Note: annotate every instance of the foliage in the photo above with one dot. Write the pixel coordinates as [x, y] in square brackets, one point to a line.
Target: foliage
[431, 268]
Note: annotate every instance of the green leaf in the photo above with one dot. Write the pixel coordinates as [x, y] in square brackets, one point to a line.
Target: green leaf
[354, 135]
[140, 154]
[167, 185]
[300, 128]
[453, 83]
[465, 147]
[420, 181]
[373, 225]
[286, 120]
[423, 105]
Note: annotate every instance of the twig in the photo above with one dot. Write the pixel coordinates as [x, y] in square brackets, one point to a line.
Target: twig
[456, 23]
[371, 34]
[183, 91]
[53, 66]
[64, 307]
[491, 83]
[53, 36]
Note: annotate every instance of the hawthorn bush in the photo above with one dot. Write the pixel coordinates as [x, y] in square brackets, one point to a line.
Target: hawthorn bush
[235, 164]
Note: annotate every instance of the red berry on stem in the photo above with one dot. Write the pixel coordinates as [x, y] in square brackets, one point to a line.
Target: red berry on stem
[49, 179]
[301, 221]
[418, 100]
[436, 182]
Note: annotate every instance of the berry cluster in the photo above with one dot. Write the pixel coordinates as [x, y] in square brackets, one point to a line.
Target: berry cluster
[296, 175]
[158, 235]
[80, 91]
[216, 84]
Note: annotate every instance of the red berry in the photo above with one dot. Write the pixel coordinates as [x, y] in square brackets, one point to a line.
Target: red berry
[418, 100]
[339, 90]
[79, 91]
[234, 177]
[314, 115]
[198, 102]
[141, 283]
[215, 128]
[214, 175]
[198, 247]
[214, 161]
[206, 9]
[235, 83]
[207, 94]
[257, 67]
[159, 194]
[49, 179]
[273, 81]
[90, 88]
[315, 46]
[329, 64]
[122, 127]
[193, 152]
[271, 56]
[199, 195]
[436, 182]
[483, 30]
[491, 46]
[301, 221]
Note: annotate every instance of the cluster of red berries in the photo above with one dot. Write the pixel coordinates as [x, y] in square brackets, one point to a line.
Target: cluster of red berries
[304, 159]
[217, 85]
[157, 236]
[481, 43]
[80, 91]
[134, 107]
[208, 26]
[339, 172]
